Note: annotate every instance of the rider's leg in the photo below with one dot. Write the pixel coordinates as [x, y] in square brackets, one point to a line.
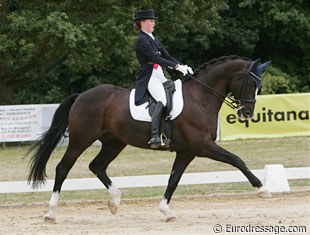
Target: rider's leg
[155, 86]
[155, 141]
[157, 91]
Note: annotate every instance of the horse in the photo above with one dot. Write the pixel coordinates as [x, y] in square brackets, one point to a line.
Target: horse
[102, 113]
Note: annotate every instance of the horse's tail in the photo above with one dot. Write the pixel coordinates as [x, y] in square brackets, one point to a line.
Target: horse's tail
[45, 146]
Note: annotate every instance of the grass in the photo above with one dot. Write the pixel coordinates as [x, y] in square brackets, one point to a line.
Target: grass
[290, 152]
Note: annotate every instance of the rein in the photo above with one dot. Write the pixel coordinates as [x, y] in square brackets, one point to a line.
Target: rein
[228, 100]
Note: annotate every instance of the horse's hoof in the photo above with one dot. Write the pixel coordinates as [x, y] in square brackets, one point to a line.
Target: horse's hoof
[112, 207]
[49, 219]
[171, 219]
[263, 192]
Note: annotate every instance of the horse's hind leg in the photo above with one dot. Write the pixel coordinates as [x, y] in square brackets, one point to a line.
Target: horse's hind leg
[62, 170]
[110, 149]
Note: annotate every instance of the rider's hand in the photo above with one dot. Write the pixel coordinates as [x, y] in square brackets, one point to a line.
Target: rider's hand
[182, 69]
[189, 69]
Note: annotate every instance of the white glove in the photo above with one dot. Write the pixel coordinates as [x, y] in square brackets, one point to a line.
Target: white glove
[189, 69]
[182, 69]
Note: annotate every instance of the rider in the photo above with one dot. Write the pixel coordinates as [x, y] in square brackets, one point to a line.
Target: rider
[153, 57]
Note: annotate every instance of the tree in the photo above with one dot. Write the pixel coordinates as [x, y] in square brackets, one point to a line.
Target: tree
[58, 48]
[51, 49]
[271, 30]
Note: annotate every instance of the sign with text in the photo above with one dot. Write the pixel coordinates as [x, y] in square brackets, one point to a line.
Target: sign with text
[275, 116]
[20, 122]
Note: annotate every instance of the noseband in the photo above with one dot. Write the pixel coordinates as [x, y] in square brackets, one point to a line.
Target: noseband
[230, 100]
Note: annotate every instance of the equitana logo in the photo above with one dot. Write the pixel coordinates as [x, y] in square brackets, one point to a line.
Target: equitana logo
[270, 116]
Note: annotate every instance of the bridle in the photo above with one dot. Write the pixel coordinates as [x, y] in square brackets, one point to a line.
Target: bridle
[230, 100]
[248, 75]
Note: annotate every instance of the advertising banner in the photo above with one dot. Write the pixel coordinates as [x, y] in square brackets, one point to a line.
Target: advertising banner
[275, 116]
[19, 122]
[25, 122]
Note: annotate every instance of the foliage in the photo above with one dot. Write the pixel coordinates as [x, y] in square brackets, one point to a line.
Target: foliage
[51, 49]
[271, 30]
[277, 82]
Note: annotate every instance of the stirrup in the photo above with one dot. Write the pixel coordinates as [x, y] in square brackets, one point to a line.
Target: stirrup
[164, 141]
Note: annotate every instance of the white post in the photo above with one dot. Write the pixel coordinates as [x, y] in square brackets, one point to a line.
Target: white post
[275, 179]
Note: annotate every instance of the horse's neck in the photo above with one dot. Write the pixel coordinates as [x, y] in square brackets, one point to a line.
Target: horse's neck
[202, 97]
[218, 75]
[213, 82]
[214, 77]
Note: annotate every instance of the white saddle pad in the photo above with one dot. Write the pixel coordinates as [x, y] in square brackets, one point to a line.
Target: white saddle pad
[141, 112]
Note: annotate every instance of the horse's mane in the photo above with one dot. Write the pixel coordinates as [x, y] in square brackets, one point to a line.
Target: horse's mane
[217, 61]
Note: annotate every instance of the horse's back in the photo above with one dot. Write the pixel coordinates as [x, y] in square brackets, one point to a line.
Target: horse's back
[92, 107]
[100, 96]
[102, 92]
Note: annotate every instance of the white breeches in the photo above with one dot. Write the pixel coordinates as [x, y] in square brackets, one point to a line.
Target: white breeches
[155, 85]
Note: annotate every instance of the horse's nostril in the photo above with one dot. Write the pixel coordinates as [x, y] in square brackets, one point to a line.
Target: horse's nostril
[248, 113]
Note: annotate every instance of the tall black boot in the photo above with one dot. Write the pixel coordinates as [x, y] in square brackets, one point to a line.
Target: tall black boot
[155, 141]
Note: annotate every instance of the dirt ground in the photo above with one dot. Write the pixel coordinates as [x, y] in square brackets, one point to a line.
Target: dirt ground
[195, 215]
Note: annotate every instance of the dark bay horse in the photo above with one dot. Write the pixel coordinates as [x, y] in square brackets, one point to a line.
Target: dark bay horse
[102, 113]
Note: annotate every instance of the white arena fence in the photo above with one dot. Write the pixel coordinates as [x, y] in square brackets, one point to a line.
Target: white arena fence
[275, 177]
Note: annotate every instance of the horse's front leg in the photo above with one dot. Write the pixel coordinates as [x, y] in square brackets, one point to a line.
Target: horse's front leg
[181, 162]
[215, 152]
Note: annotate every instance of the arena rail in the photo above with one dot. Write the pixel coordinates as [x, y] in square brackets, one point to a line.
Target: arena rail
[161, 180]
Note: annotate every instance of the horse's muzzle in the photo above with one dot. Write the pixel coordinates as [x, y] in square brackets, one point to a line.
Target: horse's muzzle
[245, 114]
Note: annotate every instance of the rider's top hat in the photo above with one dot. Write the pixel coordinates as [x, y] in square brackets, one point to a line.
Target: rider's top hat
[145, 14]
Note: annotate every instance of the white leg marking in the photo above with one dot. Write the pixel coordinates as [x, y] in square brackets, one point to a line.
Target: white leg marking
[53, 203]
[263, 192]
[164, 208]
[115, 198]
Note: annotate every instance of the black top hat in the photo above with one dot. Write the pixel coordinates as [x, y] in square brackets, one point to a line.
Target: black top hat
[145, 14]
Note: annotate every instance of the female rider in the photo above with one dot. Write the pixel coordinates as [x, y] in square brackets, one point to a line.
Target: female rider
[153, 57]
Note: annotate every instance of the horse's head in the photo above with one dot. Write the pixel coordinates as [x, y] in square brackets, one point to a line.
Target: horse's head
[246, 87]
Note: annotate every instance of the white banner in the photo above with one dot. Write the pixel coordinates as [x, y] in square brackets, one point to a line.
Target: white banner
[20, 122]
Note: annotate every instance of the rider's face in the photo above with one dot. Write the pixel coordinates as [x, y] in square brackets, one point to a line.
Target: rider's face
[148, 25]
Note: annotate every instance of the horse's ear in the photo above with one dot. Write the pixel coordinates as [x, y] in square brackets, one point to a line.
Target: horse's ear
[260, 69]
[255, 64]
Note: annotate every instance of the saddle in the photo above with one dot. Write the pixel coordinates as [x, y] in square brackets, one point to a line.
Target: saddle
[143, 112]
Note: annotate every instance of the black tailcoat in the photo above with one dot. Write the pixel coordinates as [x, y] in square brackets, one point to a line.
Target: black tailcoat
[150, 52]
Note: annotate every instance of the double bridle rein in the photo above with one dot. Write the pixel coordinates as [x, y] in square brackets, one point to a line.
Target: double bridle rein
[230, 100]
